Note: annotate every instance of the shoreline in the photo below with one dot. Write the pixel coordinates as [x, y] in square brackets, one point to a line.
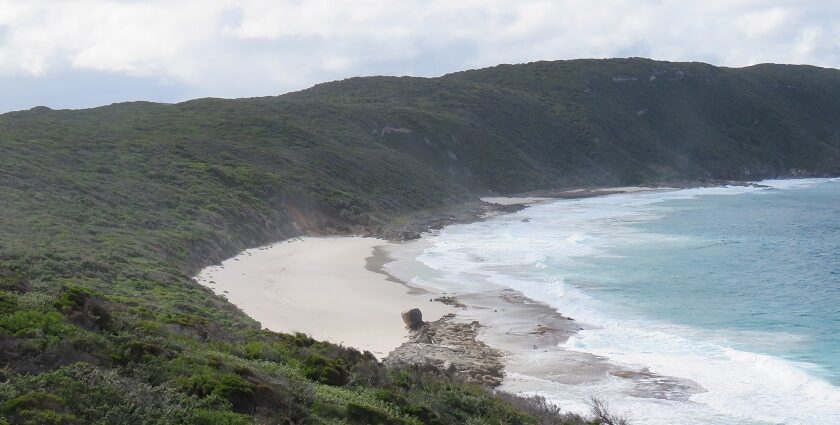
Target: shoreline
[528, 333]
[495, 337]
[522, 336]
[337, 289]
[323, 287]
[352, 299]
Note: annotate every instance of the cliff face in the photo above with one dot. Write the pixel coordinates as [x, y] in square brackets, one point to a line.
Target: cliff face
[105, 212]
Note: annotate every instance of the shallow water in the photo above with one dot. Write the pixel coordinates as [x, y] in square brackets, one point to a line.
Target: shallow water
[735, 288]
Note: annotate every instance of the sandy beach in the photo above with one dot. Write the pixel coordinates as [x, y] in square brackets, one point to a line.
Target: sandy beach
[328, 288]
[337, 288]
[351, 290]
[528, 200]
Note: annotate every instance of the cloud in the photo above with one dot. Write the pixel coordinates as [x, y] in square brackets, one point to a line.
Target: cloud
[233, 48]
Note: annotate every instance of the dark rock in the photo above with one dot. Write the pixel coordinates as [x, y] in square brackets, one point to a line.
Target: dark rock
[409, 235]
[413, 318]
[452, 301]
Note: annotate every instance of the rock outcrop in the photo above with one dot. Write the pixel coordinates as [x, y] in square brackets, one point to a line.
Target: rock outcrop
[451, 346]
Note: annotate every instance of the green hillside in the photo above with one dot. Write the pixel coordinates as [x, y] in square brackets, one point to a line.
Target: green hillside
[105, 214]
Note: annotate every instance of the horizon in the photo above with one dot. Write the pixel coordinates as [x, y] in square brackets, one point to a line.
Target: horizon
[399, 76]
[99, 52]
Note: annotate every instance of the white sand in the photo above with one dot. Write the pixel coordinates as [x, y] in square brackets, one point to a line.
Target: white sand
[503, 200]
[633, 189]
[569, 194]
[321, 287]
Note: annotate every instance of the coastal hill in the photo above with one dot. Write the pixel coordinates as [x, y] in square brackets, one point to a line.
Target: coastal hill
[106, 213]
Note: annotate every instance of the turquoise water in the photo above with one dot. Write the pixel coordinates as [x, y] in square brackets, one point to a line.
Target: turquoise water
[766, 261]
[735, 288]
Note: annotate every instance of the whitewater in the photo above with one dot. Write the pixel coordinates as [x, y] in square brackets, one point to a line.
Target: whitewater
[735, 288]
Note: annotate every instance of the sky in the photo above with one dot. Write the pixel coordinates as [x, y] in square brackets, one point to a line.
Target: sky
[84, 53]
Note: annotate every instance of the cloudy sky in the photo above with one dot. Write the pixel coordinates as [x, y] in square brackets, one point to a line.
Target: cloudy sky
[80, 53]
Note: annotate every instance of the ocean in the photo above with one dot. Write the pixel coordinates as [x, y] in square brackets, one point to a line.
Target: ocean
[734, 288]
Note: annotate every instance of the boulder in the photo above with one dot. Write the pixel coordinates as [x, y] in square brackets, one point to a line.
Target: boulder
[409, 235]
[413, 318]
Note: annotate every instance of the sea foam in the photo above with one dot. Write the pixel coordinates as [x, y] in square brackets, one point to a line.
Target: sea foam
[541, 255]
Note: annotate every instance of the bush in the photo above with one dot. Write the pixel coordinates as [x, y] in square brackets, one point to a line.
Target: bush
[137, 351]
[99, 396]
[37, 408]
[544, 412]
[12, 279]
[370, 415]
[239, 392]
[33, 324]
[83, 307]
[7, 302]
[423, 413]
[72, 298]
[326, 371]
[602, 415]
[45, 417]
[34, 400]
[426, 415]
[369, 374]
[218, 417]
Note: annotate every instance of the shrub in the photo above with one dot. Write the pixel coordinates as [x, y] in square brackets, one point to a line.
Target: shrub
[402, 378]
[326, 371]
[390, 396]
[34, 400]
[31, 323]
[200, 384]
[137, 351]
[369, 374]
[12, 279]
[83, 307]
[239, 392]
[602, 415]
[218, 417]
[426, 415]
[7, 302]
[544, 412]
[45, 417]
[423, 413]
[100, 396]
[72, 298]
[37, 408]
[370, 415]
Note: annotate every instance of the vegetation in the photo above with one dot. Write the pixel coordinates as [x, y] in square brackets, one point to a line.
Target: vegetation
[106, 213]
